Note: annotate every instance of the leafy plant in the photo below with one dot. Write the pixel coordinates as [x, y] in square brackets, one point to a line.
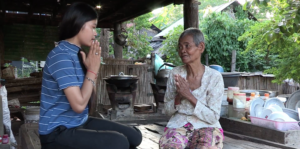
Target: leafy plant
[138, 40]
[221, 35]
[282, 37]
[170, 46]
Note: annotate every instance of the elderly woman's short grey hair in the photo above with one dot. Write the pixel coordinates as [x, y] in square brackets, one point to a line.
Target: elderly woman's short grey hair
[197, 35]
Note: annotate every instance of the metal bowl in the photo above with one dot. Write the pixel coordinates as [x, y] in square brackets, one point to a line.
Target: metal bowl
[291, 113]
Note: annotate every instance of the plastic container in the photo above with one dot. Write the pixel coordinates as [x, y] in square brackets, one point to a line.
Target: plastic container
[230, 79]
[32, 115]
[230, 92]
[5, 139]
[252, 96]
[257, 94]
[217, 67]
[267, 96]
[277, 125]
[238, 113]
[239, 100]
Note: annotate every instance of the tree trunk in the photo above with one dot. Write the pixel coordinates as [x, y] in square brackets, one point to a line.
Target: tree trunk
[190, 12]
[104, 42]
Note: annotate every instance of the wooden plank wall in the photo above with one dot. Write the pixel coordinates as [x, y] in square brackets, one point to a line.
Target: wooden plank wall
[258, 82]
[26, 90]
[113, 67]
[30, 41]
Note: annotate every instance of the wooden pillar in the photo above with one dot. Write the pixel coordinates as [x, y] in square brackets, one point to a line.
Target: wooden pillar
[118, 49]
[153, 66]
[206, 59]
[104, 42]
[233, 61]
[190, 12]
[1, 118]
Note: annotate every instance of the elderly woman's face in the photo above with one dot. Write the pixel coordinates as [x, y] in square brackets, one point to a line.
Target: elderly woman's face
[188, 51]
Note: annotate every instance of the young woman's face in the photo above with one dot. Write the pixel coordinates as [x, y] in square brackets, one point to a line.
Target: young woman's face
[87, 33]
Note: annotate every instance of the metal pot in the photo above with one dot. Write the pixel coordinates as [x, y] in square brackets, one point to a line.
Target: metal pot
[122, 76]
[163, 74]
[121, 80]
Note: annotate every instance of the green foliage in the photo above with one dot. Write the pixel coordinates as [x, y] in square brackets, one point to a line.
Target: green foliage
[212, 3]
[142, 21]
[138, 41]
[170, 46]
[221, 35]
[167, 16]
[281, 36]
[240, 13]
[265, 57]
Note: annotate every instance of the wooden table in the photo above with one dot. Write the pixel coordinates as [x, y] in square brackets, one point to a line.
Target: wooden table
[285, 138]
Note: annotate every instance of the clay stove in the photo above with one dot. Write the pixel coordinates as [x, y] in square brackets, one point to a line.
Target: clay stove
[159, 94]
[122, 92]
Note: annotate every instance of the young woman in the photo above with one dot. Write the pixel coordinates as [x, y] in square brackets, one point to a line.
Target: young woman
[68, 81]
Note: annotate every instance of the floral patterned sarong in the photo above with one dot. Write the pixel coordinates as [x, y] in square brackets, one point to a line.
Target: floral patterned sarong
[188, 137]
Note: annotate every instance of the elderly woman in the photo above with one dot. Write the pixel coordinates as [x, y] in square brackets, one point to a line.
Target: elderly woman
[194, 96]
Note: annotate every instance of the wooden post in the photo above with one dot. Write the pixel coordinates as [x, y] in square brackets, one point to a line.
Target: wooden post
[104, 42]
[1, 118]
[206, 59]
[190, 12]
[153, 66]
[233, 61]
[118, 50]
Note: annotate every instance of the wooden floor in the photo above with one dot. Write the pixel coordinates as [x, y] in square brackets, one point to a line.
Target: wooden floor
[151, 135]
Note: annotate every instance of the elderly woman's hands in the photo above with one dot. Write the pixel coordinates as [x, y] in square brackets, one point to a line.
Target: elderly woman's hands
[183, 90]
[182, 86]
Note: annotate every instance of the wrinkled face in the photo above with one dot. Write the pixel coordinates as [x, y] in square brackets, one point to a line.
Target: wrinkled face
[188, 51]
[87, 33]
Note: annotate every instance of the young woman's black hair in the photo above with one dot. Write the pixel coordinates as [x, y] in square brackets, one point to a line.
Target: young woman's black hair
[74, 18]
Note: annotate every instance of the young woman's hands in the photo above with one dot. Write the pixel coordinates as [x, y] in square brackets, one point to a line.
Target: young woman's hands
[93, 59]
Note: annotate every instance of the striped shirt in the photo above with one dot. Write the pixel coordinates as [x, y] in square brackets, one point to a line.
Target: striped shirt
[62, 70]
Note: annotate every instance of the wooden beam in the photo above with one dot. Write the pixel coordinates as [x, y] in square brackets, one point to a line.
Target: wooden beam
[178, 2]
[190, 12]
[105, 25]
[2, 7]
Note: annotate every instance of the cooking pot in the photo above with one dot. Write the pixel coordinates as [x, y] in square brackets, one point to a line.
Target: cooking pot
[121, 80]
[122, 76]
[163, 74]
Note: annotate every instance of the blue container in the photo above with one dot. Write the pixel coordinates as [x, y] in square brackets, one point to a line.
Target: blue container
[217, 67]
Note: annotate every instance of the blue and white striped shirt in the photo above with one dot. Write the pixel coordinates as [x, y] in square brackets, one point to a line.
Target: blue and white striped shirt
[62, 70]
